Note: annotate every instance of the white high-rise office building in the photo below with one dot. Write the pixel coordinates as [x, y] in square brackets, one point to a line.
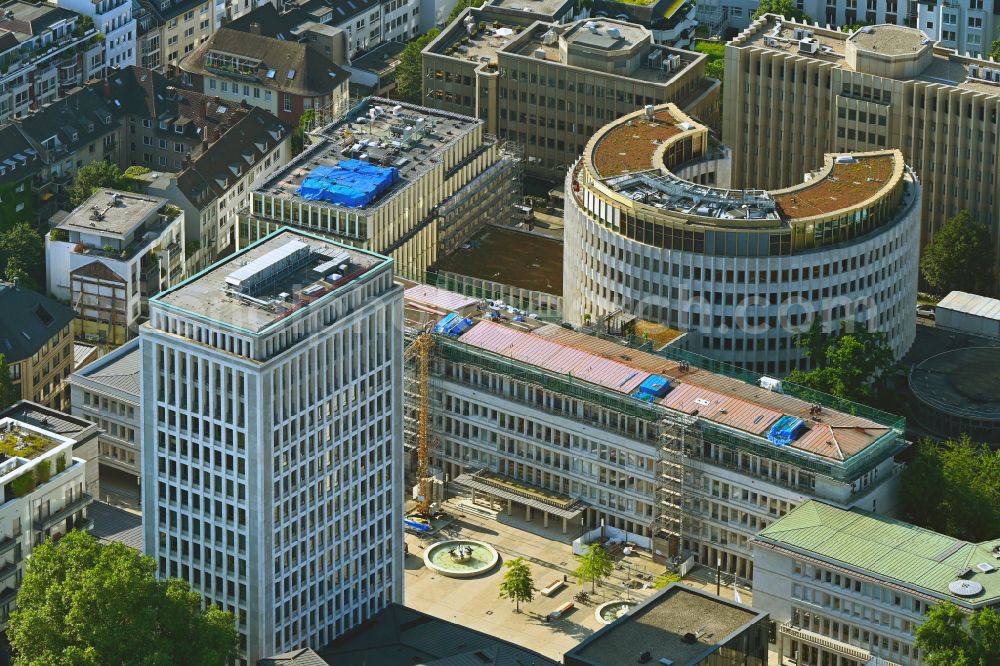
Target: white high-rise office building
[272, 402]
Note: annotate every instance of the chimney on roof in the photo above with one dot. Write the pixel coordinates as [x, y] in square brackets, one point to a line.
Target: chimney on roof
[188, 161]
[255, 27]
[107, 88]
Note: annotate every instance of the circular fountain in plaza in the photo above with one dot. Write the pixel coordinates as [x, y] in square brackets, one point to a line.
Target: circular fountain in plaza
[612, 610]
[461, 558]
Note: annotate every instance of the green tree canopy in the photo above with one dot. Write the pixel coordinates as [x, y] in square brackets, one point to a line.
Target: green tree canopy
[409, 71]
[784, 8]
[960, 256]
[715, 64]
[306, 121]
[8, 396]
[517, 584]
[460, 7]
[995, 49]
[854, 364]
[89, 604]
[96, 175]
[594, 565]
[22, 255]
[953, 487]
[950, 637]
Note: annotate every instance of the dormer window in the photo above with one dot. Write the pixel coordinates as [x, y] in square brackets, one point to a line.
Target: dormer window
[179, 129]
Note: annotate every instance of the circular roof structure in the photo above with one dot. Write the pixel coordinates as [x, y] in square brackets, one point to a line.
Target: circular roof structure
[962, 382]
[965, 588]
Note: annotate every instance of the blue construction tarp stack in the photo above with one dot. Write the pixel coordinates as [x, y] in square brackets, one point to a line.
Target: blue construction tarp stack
[786, 430]
[652, 388]
[453, 325]
[350, 183]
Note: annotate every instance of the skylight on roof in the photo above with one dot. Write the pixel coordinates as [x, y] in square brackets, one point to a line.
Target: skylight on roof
[291, 74]
[271, 73]
[222, 108]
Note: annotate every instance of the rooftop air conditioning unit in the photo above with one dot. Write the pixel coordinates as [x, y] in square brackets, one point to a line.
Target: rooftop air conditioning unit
[797, 33]
[771, 384]
[808, 46]
[772, 42]
[614, 33]
[540, 54]
[650, 111]
[974, 71]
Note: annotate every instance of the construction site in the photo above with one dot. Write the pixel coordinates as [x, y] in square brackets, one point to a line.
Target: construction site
[676, 455]
[403, 180]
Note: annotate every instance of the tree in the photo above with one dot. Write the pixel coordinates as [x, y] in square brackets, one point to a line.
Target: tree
[85, 603]
[22, 255]
[784, 8]
[595, 565]
[960, 256]
[953, 487]
[855, 365]
[665, 579]
[950, 637]
[995, 49]
[715, 64]
[95, 175]
[8, 396]
[409, 71]
[517, 584]
[460, 7]
[306, 121]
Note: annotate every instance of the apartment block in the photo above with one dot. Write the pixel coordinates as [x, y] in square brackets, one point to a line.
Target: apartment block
[271, 412]
[113, 19]
[852, 587]
[44, 52]
[365, 24]
[216, 185]
[648, 233]
[549, 86]
[719, 15]
[569, 427]
[108, 256]
[168, 30]
[36, 339]
[43, 485]
[800, 91]
[106, 393]
[403, 180]
[19, 167]
[285, 77]
[968, 28]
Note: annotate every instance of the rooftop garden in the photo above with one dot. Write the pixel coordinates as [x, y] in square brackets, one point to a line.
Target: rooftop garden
[630, 146]
[846, 185]
[21, 444]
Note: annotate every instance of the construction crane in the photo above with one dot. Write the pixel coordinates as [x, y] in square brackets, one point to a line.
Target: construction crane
[422, 347]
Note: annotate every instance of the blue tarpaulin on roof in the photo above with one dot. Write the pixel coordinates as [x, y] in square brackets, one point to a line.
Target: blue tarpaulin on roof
[652, 388]
[453, 325]
[348, 183]
[786, 430]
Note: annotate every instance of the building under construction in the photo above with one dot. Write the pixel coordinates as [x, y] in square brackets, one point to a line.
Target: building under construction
[399, 179]
[586, 431]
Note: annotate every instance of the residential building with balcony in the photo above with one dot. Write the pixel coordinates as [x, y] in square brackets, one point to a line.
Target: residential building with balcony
[272, 429]
[44, 52]
[66, 134]
[113, 19]
[672, 22]
[688, 456]
[364, 23]
[968, 27]
[548, 86]
[44, 495]
[19, 166]
[168, 30]
[720, 15]
[403, 180]
[217, 184]
[108, 256]
[106, 393]
[802, 91]
[281, 76]
[852, 587]
[36, 339]
[742, 271]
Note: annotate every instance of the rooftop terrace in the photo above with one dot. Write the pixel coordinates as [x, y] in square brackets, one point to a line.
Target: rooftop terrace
[891, 550]
[660, 625]
[385, 134]
[269, 281]
[629, 157]
[112, 213]
[874, 46]
[18, 441]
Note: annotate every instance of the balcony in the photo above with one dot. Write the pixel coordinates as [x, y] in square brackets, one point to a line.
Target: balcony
[53, 518]
[8, 544]
[832, 645]
[7, 570]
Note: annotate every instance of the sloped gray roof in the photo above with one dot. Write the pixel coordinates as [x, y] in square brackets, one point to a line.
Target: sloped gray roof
[118, 370]
[29, 321]
[302, 657]
[113, 524]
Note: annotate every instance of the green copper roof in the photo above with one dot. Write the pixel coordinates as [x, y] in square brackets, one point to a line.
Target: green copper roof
[889, 549]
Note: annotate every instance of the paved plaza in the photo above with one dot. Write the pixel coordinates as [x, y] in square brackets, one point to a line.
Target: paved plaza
[475, 602]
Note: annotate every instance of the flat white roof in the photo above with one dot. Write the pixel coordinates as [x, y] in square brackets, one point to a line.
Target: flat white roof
[973, 304]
